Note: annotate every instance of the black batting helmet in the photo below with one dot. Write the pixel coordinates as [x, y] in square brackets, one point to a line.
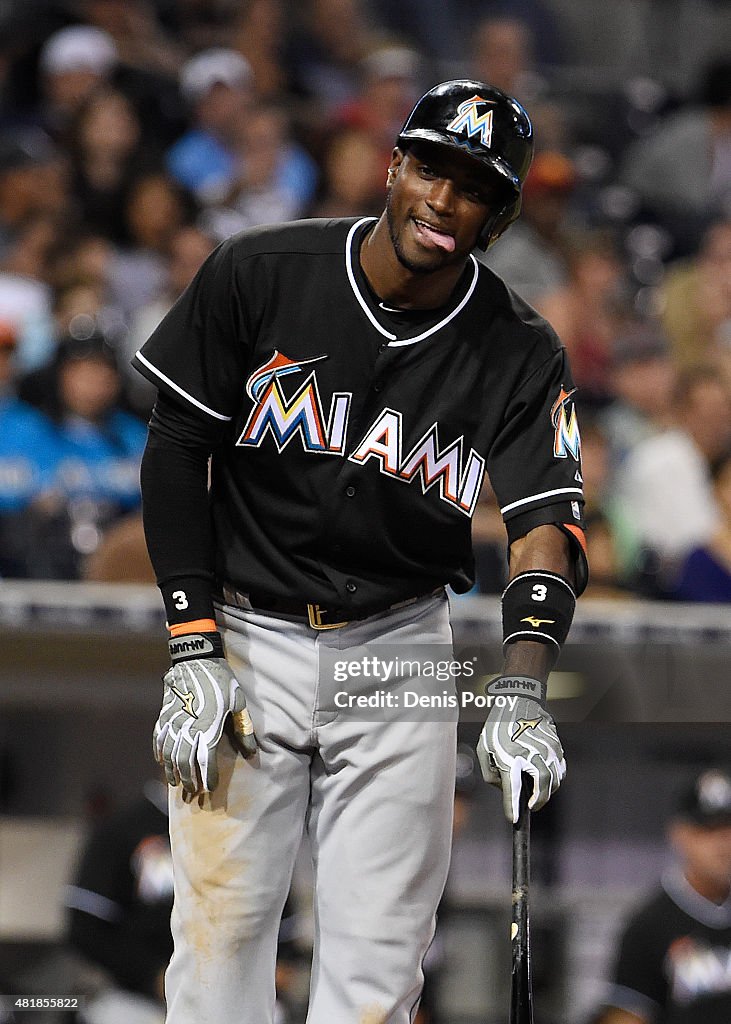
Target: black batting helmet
[485, 123]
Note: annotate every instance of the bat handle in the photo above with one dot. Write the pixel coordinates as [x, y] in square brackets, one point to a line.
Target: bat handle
[521, 1001]
[521, 837]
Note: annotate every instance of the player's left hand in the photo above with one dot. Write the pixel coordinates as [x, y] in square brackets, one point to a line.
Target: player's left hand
[519, 739]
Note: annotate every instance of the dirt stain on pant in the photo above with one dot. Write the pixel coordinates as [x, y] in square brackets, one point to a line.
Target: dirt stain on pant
[374, 1013]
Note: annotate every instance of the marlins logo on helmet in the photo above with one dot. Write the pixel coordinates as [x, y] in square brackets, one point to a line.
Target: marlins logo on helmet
[472, 123]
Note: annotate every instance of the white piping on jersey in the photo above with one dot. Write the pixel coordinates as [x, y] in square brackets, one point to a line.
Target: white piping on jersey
[682, 893]
[176, 387]
[92, 903]
[393, 342]
[543, 494]
[354, 284]
[531, 633]
[624, 998]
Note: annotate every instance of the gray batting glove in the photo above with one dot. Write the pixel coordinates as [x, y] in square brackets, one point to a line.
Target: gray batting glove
[200, 692]
[520, 736]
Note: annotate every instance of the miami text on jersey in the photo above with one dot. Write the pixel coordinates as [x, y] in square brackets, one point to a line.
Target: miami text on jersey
[302, 416]
[697, 968]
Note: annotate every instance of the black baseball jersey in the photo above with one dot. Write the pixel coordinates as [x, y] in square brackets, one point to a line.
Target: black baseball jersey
[120, 901]
[674, 963]
[353, 439]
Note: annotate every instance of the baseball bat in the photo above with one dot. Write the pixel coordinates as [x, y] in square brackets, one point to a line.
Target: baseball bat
[521, 991]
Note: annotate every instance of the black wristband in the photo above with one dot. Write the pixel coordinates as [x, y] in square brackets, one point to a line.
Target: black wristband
[518, 686]
[191, 646]
[538, 606]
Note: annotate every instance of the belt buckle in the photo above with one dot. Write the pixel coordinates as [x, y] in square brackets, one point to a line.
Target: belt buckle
[314, 617]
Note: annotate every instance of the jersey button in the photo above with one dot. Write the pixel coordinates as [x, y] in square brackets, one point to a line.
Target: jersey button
[378, 386]
[383, 346]
[351, 587]
[350, 491]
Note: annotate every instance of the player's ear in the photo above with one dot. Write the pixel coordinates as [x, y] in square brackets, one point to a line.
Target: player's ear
[396, 159]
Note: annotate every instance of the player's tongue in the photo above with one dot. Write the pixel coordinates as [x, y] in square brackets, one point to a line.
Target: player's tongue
[438, 238]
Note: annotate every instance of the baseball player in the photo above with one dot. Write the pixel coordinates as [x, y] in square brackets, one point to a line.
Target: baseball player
[351, 382]
[673, 963]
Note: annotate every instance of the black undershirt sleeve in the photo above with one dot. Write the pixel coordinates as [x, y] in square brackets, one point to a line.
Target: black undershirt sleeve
[175, 508]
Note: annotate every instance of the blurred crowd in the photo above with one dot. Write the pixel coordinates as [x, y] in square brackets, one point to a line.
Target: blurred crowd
[137, 134]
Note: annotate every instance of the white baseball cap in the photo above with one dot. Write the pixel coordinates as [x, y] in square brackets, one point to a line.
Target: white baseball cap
[211, 67]
[78, 48]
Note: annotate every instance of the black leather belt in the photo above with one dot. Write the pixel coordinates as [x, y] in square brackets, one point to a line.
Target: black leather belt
[315, 615]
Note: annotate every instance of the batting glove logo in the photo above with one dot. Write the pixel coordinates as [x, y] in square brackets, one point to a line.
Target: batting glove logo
[186, 699]
[523, 724]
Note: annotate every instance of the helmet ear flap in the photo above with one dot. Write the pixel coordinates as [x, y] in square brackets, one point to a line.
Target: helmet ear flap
[497, 222]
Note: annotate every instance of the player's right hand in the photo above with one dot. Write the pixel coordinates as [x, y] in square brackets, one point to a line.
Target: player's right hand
[198, 696]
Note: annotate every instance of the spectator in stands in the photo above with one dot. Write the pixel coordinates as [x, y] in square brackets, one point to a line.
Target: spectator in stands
[673, 954]
[77, 275]
[99, 451]
[612, 544]
[25, 291]
[199, 24]
[326, 51]
[502, 55]
[28, 461]
[391, 83]
[77, 297]
[695, 302]
[274, 179]
[352, 182]
[217, 86]
[188, 248]
[664, 483]
[74, 62]
[138, 35]
[156, 207]
[258, 33]
[642, 377]
[607, 580]
[148, 62]
[24, 162]
[706, 573]
[687, 193]
[587, 311]
[531, 257]
[121, 556]
[105, 142]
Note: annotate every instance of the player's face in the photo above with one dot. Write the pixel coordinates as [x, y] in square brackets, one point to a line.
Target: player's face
[707, 854]
[438, 202]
